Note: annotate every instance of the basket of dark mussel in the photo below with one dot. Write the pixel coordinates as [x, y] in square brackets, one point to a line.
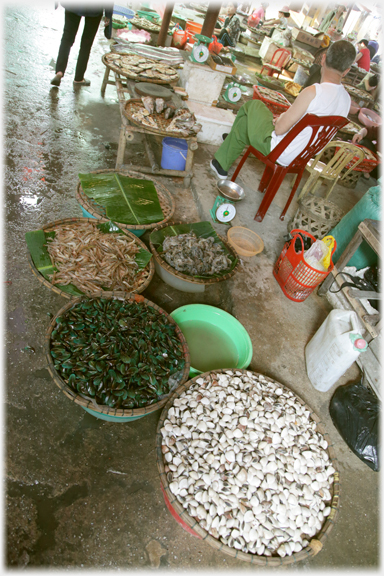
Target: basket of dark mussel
[193, 253]
[118, 357]
[83, 256]
[246, 466]
[149, 201]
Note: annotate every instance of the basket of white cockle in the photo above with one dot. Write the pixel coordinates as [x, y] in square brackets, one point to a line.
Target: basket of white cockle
[245, 464]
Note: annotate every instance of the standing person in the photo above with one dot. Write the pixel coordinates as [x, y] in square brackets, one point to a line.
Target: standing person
[315, 70]
[363, 58]
[230, 32]
[282, 20]
[334, 19]
[258, 16]
[373, 47]
[73, 15]
[255, 125]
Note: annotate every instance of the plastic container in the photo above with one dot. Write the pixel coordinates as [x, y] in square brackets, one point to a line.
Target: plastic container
[176, 282]
[122, 11]
[244, 241]
[333, 349]
[296, 277]
[229, 332]
[264, 94]
[174, 154]
[369, 117]
[301, 75]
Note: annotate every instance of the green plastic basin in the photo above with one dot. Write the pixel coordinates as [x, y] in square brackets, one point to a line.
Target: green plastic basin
[227, 334]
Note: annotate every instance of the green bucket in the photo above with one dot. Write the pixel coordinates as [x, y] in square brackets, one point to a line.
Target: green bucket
[215, 338]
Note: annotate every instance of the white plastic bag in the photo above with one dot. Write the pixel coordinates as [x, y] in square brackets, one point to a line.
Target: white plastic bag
[333, 349]
[318, 256]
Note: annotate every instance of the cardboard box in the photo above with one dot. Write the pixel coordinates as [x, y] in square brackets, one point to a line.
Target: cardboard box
[227, 68]
[307, 38]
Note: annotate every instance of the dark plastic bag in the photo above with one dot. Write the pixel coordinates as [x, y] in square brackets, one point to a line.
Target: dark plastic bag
[354, 411]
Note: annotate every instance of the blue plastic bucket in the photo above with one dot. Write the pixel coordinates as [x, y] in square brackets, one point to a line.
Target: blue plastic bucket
[174, 155]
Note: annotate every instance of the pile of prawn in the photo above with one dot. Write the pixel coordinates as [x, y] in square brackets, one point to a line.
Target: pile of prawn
[93, 260]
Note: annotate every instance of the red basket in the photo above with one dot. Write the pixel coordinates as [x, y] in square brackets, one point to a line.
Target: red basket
[265, 94]
[298, 279]
[368, 164]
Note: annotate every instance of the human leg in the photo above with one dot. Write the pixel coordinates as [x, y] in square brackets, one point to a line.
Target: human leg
[253, 126]
[225, 40]
[71, 27]
[90, 29]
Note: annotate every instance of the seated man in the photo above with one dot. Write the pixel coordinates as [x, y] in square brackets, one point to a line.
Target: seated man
[255, 125]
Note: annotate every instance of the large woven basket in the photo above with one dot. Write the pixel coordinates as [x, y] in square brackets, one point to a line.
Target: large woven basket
[103, 409]
[138, 77]
[317, 542]
[315, 215]
[186, 277]
[135, 105]
[97, 211]
[51, 226]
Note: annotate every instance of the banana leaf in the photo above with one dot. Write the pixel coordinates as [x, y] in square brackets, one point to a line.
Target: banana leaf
[202, 230]
[126, 200]
[37, 246]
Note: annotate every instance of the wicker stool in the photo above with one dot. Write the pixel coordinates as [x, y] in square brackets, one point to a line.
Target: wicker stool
[351, 180]
[316, 216]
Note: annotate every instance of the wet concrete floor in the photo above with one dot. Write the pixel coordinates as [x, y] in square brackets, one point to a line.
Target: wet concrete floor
[82, 492]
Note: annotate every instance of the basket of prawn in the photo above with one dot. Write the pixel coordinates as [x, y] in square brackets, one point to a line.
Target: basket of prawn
[133, 201]
[119, 357]
[193, 253]
[82, 256]
[246, 466]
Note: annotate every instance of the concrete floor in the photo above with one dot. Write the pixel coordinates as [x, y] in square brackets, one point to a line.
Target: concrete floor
[82, 492]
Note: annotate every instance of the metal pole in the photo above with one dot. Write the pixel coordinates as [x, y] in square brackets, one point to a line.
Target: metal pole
[211, 19]
[165, 24]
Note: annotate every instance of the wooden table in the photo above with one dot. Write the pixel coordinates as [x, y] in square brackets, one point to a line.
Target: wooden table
[125, 91]
[369, 231]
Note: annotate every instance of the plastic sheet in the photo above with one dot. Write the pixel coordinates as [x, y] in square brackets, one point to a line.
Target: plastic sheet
[354, 411]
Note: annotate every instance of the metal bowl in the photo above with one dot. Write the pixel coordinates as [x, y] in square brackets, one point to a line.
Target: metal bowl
[230, 190]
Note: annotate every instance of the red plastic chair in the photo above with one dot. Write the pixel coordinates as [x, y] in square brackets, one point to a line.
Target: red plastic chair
[279, 60]
[324, 128]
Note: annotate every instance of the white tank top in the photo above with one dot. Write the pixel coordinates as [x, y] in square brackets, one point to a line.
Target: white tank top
[330, 100]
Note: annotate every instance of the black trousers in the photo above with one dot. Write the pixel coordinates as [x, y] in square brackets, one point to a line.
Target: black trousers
[71, 27]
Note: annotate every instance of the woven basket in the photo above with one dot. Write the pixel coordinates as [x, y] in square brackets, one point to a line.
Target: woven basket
[103, 409]
[50, 227]
[316, 216]
[165, 198]
[186, 277]
[315, 544]
[138, 77]
[135, 105]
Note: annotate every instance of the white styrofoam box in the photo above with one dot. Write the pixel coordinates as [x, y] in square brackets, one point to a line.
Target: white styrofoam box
[215, 122]
[201, 82]
[268, 48]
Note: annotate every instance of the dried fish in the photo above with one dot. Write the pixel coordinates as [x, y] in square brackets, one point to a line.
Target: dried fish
[160, 105]
[93, 260]
[149, 103]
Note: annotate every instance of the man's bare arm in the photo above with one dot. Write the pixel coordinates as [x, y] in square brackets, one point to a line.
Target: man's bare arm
[289, 118]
